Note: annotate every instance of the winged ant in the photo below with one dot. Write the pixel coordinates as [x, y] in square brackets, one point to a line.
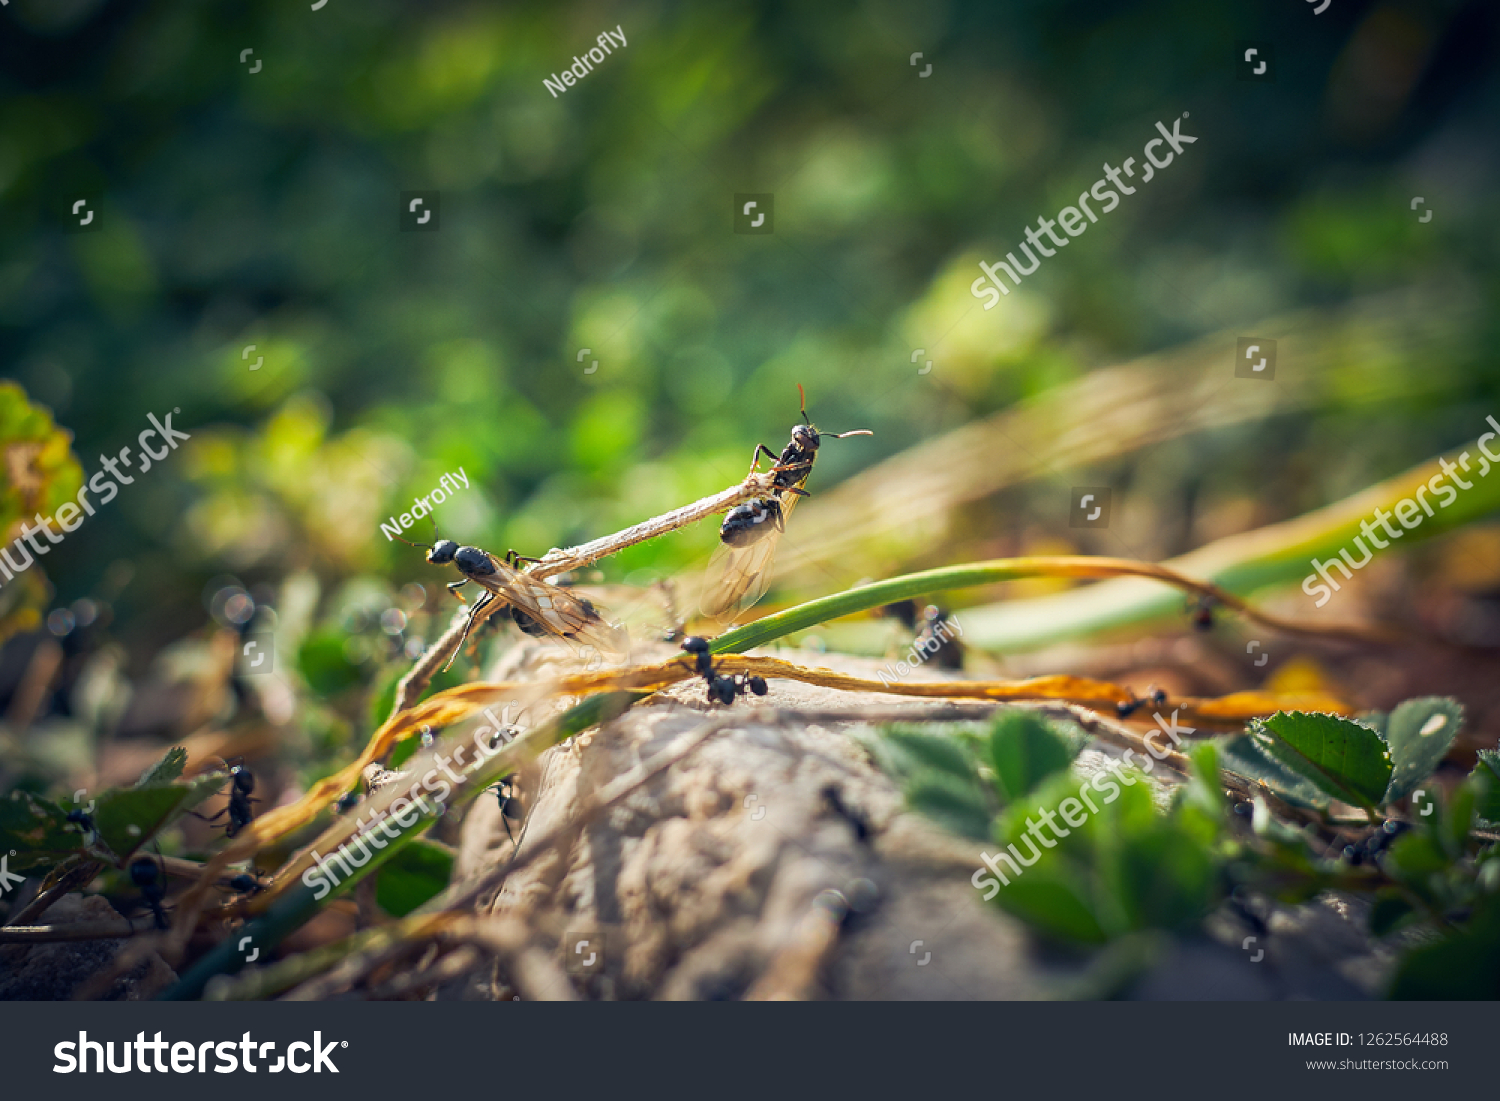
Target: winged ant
[740, 570]
[537, 607]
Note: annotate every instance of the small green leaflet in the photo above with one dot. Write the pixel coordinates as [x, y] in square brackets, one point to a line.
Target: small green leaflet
[165, 770]
[1344, 758]
[1419, 733]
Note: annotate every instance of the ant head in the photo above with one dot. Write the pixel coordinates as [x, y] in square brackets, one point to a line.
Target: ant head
[440, 551]
[244, 779]
[695, 644]
[807, 437]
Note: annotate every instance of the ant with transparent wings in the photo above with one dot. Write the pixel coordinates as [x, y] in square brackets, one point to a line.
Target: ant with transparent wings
[537, 607]
[740, 571]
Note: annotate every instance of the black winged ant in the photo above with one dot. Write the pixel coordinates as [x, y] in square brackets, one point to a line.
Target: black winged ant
[150, 876]
[740, 570]
[721, 689]
[536, 606]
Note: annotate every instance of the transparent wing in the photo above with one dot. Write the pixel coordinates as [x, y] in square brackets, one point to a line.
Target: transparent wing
[557, 612]
[738, 576]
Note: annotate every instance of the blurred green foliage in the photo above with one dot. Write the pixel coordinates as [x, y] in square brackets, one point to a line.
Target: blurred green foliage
[1138, 862]
[240, 209]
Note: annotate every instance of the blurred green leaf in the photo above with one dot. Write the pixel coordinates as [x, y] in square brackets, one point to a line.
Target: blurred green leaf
[1025, 750]
[1463, 965]
[1487, 806]
[1390, 909]
[919, 749]
[418, 872]
[37, 831]
[953, 802]
[1419, 732]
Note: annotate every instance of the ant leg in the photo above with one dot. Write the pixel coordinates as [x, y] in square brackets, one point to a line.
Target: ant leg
[761, 449]
[805, 465]
[454, 586]
[206, 818]
[511, 558]
[482, 602]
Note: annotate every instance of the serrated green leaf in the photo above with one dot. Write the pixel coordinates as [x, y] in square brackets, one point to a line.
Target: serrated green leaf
[1345, 759]
[1244, 756]
[1419, 733]
[37, 831]
[128, 817]
[414, 874]
[1025, 750]
[165, 770]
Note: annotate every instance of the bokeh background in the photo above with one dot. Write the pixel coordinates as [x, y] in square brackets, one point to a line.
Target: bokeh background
[240, 208]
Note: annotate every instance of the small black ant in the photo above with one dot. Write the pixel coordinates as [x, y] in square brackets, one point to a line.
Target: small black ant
[1157, 697]
[1203, 613]
[146, 874]
[83, 821]
[347, 802]
[721, 689]
[245, 884]
[505, 793]
[242, 783]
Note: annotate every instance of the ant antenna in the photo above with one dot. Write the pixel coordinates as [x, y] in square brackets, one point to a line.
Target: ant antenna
[425, 546]
[835, 435]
